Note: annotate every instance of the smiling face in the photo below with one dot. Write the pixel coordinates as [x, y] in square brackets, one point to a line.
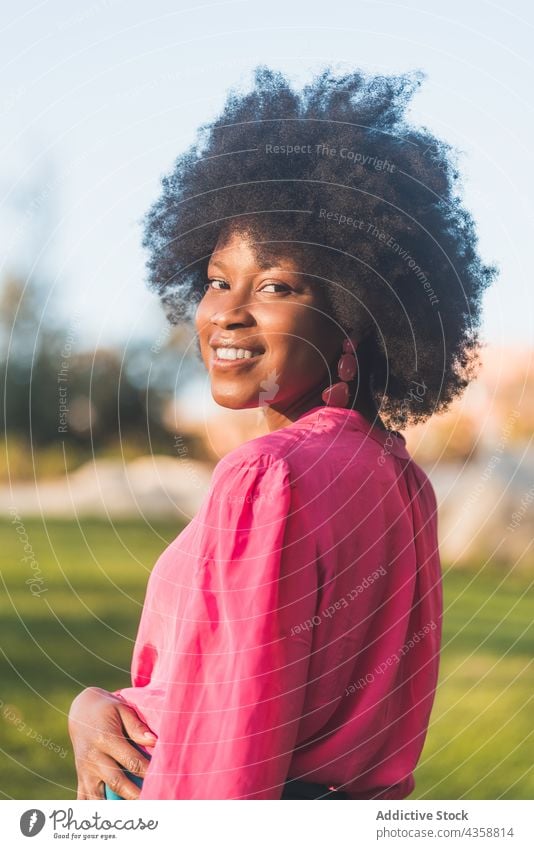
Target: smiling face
[264, 333]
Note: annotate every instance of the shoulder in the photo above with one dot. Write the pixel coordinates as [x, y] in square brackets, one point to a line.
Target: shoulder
[249, 498]
[258, 463]
[425, 490]
[268, 452]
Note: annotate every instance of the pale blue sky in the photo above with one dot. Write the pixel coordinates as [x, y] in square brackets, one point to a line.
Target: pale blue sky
[97, 99]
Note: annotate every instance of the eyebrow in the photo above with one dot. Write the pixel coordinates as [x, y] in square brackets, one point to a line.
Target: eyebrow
[262, 266]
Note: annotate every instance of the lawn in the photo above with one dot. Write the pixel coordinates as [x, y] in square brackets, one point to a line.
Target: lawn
[80, 629]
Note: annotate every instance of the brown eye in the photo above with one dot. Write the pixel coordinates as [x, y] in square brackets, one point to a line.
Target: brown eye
[215, 280]
[282, 286]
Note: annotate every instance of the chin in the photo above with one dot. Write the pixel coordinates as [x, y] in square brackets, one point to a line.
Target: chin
[234, 402]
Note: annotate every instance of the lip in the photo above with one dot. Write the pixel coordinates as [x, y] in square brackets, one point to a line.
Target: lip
[215, 362]
[225, 342]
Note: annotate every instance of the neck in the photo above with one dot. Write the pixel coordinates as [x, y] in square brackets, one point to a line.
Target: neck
[280, 415]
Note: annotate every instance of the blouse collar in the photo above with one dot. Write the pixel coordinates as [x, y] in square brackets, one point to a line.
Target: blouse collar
[329, 418]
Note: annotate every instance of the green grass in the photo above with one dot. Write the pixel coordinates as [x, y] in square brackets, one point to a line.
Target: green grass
[481, 735]
[81, 632]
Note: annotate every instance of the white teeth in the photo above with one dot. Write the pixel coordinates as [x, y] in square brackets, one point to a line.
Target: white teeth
[234, 353]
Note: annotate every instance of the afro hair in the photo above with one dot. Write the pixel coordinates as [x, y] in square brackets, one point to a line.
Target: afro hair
[336, 176]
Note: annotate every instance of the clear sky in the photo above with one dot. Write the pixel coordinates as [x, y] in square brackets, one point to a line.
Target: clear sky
[98, 97]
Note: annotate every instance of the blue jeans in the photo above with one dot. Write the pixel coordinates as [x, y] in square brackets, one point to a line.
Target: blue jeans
[135, 778]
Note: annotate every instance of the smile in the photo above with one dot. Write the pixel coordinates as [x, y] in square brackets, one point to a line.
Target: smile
[233, 356]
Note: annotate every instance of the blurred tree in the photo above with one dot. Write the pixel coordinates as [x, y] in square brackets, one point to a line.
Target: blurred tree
[61, 403]
[92, 398]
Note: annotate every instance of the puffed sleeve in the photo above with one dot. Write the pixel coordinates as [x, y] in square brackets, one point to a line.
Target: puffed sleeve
[239, 665]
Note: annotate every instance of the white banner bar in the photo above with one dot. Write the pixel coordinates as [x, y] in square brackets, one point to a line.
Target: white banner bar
[269, 824]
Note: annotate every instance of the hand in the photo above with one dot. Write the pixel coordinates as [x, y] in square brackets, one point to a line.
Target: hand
[98, 724]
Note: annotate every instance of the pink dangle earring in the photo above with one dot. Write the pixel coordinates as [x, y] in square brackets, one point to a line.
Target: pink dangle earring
[338, 394]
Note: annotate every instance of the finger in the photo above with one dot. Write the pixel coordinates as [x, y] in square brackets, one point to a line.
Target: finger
[117, 781]
[109, 749]
[97, 793]
[135, 727]
[95, 797]
[130, 758]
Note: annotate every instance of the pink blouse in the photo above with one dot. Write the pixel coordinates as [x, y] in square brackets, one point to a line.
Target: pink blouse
[293, 628]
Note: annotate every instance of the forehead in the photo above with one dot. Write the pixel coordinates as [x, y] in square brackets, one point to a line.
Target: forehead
[245, 249]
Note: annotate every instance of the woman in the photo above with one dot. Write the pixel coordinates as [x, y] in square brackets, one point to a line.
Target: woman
[289, 641]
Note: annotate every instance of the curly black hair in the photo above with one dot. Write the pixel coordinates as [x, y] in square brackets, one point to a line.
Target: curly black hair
[335, 175]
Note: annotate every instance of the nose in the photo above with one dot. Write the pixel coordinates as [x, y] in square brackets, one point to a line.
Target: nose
[238, 315]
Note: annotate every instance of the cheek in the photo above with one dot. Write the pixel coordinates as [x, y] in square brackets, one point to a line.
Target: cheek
[202, 327]
[202, 317]
[303, 345]
[315, 332]
[304, 358]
